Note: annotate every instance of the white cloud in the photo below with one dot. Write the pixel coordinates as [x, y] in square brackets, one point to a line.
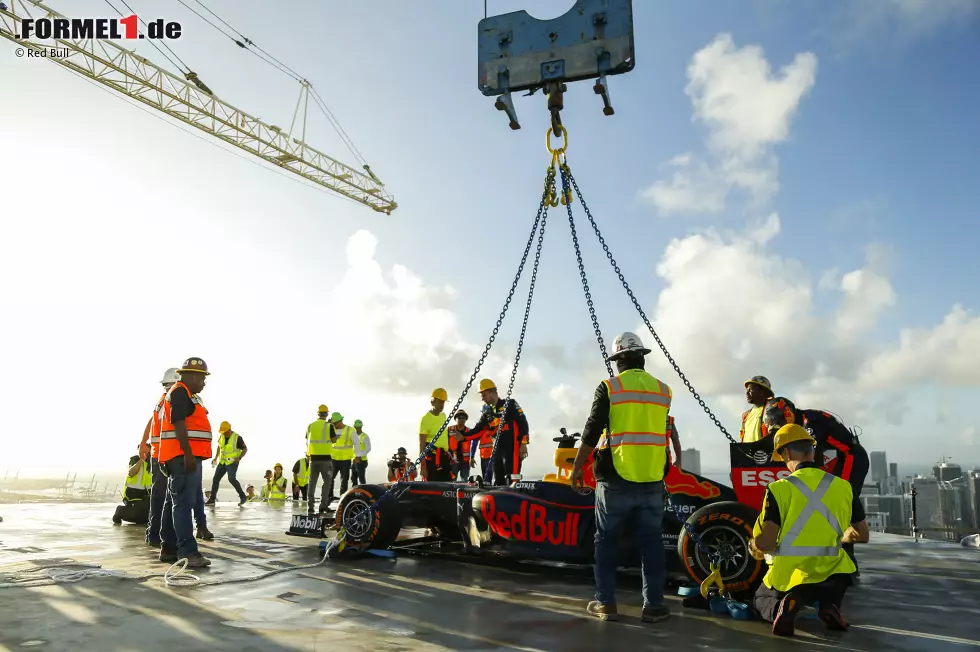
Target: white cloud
[747, 110]
[400, 335]
[867, 292]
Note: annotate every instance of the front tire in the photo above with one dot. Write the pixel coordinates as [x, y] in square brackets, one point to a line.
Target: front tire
[725, 528]
[365, 527]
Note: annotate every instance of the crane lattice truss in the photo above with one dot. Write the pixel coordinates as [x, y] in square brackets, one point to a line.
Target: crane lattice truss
[128, 73]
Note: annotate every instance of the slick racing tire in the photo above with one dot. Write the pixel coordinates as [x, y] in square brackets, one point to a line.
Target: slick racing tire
[365, 527]
[725, 528]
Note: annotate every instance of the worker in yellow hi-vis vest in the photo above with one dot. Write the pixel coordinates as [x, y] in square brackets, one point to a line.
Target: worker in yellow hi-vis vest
[230, 451]
[320, 436]
[627, 428]
[805, 519]
[343, 450]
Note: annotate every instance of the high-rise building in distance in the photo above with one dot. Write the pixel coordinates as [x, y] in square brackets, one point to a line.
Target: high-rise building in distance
[691, 460]
[879, 466]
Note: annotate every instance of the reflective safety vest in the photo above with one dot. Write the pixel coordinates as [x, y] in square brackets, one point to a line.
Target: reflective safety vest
[318, 438]
[462, 446]
[278, 488]
[343, 448]
[198, 430]
[228, 445]
[401, 472]
[365, 442]
[155, 427]
[486, 444]
[637, 436]
[303, 477]
[815, 509]
[140, 482]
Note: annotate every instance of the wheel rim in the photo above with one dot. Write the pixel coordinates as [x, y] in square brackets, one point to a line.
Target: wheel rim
[731, 548]
[359, 525]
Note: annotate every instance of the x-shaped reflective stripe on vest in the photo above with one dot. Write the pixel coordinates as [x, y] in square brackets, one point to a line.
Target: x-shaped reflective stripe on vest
[814, 503]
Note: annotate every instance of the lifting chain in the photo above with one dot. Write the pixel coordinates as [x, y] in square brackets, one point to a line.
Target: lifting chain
[549, 189]
[568, 181]
[565, 174]
[339, 543]
[636, 304]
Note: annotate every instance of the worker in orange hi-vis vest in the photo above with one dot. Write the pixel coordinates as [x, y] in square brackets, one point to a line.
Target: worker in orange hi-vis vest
[185, 442]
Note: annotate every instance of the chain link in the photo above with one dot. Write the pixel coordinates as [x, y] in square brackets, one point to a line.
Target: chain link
[550, 183]
[539, 220]
[566, 173]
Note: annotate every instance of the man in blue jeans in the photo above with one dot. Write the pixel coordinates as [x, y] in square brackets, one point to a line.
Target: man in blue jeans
[158, 490]
[629, 415]
[185, 442]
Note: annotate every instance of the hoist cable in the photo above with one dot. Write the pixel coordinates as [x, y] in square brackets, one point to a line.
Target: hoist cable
[154, 45]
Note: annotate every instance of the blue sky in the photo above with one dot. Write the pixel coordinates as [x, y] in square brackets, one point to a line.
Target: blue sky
[879, 151]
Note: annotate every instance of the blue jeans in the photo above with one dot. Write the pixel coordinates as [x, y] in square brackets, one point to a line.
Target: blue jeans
[200, 516]
[183, 496]
[158, 494]
[232, 471]
[616, 503]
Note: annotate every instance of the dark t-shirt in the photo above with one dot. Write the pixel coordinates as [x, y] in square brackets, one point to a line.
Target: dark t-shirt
[181, 406]
[772, 507]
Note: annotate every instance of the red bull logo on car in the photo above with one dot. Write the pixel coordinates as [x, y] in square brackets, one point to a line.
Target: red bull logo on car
[530, 523]
[688, 484]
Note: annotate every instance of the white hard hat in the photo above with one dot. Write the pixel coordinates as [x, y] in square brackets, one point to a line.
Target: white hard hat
[170, 376]
[625, 343]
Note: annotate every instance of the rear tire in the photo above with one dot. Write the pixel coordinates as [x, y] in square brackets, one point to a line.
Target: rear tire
[381, 525]
[725, 528]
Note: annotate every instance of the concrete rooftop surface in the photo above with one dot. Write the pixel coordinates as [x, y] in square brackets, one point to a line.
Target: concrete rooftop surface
[913, 596]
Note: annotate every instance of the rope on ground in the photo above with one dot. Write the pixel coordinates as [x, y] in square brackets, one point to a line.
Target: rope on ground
[176, 576]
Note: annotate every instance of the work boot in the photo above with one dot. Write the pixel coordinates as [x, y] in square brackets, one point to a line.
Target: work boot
[197, 560]
[209, 502]
[784, 624]
[832, 619]
[242, 500]
[168, 556]
[204, 533]
[655, 614]
[116, 520]
[602, 611]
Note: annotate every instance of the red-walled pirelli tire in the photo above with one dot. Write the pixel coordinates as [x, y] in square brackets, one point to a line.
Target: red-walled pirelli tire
[725, 528]
[366, 528]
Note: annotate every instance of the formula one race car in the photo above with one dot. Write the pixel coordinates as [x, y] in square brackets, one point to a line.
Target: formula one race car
[550, 520]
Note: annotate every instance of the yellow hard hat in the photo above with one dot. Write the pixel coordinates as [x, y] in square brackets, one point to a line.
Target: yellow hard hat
[440, 394]
[224, 427]
[486, 384]
[787, 435]
[322, 408]
[277, 466]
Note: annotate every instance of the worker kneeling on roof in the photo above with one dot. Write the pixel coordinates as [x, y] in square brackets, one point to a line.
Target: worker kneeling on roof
[136, 493]
[851, 462]
[511, 444]
[805, 518]
[628, 423]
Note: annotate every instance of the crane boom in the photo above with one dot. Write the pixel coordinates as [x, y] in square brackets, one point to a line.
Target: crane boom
[126, 72]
